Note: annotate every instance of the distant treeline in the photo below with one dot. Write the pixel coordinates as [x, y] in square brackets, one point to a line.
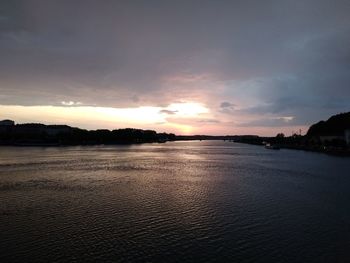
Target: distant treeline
[40, 134]
[120, 136]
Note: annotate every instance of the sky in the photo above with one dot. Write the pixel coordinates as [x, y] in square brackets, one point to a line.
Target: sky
[189, 67]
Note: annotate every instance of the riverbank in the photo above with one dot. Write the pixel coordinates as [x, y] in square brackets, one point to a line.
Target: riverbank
[331, 150]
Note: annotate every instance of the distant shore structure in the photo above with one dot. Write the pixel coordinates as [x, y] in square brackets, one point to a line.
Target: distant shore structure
[6, 126]
[7, 123]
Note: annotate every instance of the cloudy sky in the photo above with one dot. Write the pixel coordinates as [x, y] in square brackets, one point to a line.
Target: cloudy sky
[189, 67]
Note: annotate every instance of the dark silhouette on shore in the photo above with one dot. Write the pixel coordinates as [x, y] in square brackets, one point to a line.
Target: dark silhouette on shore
[39, 134]
[331, 136]
[334, 126]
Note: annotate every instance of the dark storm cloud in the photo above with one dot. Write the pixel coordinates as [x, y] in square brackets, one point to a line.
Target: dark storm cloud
[227, 108]
[284, 58]
[226, 104]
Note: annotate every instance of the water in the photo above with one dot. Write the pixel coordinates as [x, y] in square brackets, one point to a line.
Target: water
[176, 202]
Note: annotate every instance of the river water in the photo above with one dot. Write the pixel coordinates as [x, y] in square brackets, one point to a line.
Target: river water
[209, 201]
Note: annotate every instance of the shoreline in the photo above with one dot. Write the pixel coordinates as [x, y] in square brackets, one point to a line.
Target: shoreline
[334, 151]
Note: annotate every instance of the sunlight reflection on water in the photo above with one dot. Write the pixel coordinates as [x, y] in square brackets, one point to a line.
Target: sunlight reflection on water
[179, 201]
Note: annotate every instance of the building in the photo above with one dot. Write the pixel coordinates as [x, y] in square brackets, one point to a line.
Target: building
[6, 126]
[7, 123]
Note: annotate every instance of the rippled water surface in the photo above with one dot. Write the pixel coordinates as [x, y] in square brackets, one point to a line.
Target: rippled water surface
[175, 202]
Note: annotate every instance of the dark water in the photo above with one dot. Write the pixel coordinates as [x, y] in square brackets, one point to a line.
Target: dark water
[173, 202]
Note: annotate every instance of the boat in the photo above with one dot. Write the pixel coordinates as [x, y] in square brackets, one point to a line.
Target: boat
[271, 147]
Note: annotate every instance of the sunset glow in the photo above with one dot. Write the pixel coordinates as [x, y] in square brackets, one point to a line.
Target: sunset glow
[101, 117]
[173, 67]
[175, 131]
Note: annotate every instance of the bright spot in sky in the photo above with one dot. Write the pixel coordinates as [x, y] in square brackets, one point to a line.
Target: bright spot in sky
[187, 109]
[285, 118]
[131, 115]
[70, 103]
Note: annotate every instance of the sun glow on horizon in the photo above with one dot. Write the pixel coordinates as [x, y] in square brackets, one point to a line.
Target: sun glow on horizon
[107, 117]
